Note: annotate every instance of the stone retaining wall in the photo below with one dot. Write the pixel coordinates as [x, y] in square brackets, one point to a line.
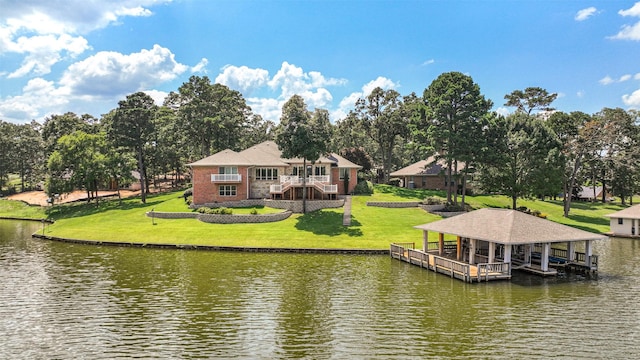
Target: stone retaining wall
[294, 206]
[222, 219]
[394, 204]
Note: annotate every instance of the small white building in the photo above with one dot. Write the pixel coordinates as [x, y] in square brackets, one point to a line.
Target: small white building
[625, 222]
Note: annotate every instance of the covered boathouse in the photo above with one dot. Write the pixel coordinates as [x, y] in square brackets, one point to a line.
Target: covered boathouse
[487, 244]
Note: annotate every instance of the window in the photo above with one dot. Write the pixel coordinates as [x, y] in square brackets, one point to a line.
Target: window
[228, 190]
[320, 170]
[298, 170]
[266, 174]
[344, 173]
[620, 221]
[228, 170]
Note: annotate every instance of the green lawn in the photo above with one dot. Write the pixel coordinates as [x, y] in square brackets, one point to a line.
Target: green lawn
[371, 227]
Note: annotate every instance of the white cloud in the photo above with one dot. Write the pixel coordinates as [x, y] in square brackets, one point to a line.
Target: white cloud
[624, 78]
[381, 82]
[503, 111]
[632, 100]
[348, 102]
[633, 11]
[108, 74]
[293, 80]
[428, 62]
[606, 80]
[37, 94]
[243, 78]
[580, 93]
[157, 96]
[45, 51]
[629, 32]
[200, 67]
[44, 31]
[268, 108]
[584, 14]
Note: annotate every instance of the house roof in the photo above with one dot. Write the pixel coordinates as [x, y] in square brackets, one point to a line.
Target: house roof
[505, 226]
[430, 166]
[632, 212]
[586, 192]
[222, 158]
[265, 154]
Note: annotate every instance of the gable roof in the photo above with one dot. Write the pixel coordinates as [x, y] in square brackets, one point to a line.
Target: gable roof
[265, 154]
[505, 226]
[586, 192]
[222, 158]
[632, 212]
[430, 166]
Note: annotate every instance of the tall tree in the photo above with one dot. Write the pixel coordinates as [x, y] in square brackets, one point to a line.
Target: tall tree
[214, 116]
[79, 161]
[577, 133]
[384, 119]
[532, 98]
[132, 127]
[303, 134]
[56, 126]
[527, 164]
[454, 109]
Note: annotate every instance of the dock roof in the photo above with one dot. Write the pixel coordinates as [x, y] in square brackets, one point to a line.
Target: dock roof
[505, 226]
[632, 212]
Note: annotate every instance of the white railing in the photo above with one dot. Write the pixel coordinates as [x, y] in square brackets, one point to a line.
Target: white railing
[226, 178]
[318, 179]
[489, 270]
[329, 188]
[276, 189]
[290, 179]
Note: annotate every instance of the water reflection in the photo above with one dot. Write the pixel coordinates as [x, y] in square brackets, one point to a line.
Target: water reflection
[75, 301]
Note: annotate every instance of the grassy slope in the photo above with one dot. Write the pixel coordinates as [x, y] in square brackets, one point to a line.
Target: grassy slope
[371, 228]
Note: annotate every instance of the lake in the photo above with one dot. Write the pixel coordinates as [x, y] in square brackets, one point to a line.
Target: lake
[63, 301]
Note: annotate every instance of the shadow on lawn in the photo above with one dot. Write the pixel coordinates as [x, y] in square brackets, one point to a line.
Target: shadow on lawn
[327, 223]
[585, 220]
[78, 209]
[417, 194]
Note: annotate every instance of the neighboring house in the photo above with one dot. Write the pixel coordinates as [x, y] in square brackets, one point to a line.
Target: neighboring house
[625, 222]
[260, 172]
[425, 174]
[589, 193]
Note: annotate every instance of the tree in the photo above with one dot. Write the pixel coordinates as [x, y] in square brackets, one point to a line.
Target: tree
[384, 119]
[303, 134]
[132, 127]
[214, 116]
[29, 154]
[451, 120]
[532, 98]
[78, 163]
[526, 164]
[577, 133]
[56, 126]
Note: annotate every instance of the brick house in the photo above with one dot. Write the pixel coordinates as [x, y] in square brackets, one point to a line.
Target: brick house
[425, 174]
[260, 172]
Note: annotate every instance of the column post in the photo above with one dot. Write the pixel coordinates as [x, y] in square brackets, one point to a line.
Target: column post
[441, 244]
[588, 251]
[571, 251]
[472, 251]
[459, 249]
[492, 252]
[425, 240]
[507, 253]
[544, 257]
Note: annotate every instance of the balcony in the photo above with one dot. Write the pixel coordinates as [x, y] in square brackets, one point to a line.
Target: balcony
[226, 178]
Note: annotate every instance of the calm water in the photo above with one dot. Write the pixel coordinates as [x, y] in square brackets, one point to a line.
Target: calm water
[63, 301]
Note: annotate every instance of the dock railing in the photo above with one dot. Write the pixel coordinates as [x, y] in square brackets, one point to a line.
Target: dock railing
[488, 270]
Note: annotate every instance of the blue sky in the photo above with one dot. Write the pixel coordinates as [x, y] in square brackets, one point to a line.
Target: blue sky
[84, 56]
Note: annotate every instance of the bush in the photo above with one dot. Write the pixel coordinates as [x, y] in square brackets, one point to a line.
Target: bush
[254, 211]
[363, 188]
[432, 200]
[394, 182]
[220, 211]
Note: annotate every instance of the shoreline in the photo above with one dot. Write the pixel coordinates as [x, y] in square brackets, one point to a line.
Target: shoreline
[342, 251]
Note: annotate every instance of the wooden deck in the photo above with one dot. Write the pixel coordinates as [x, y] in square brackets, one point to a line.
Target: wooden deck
[455, 269]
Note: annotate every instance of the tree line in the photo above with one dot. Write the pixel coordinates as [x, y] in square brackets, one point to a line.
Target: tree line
[533, 152]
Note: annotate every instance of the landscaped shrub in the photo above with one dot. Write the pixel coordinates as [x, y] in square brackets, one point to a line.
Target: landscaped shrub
[394, 182]
[432, 200]
[363, 188]
[220, 211]
[254, 211]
